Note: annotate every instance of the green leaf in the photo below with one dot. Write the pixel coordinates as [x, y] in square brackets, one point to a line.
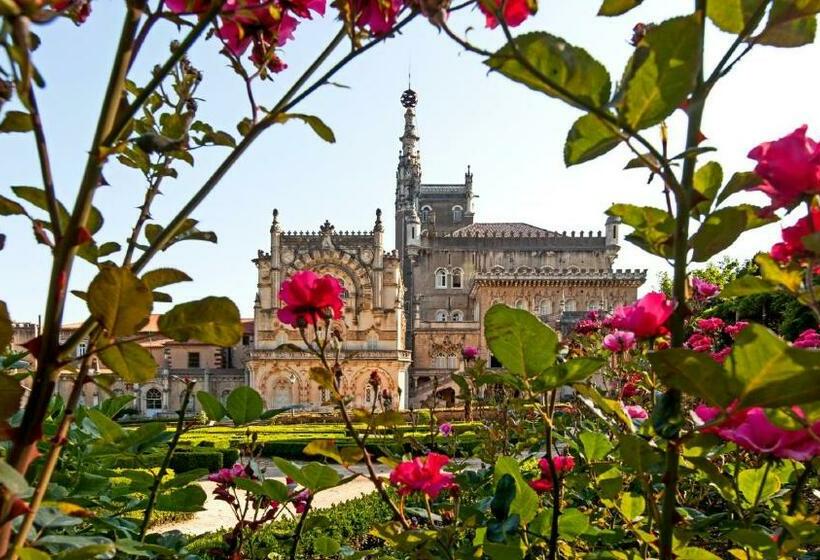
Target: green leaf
[769, 372]
[110, 431]
[317, 476]
[523, 344]
[326, 546]
[130, 361]
[186, 230]
[708, 470]
[757, 485]
[11, 392]
[290, 470]
[631, 506]
[211, 406]
[119, 300]
[653, 228]
[707, 181]
[589, 138]
[665, 69]
[791, 23]
[693, 553]
[694, 373]
[6, 330]
[16, 121]
[12, 480]
[732, 16]
[319, 127]
[740, 181]
[187, 498]
[212, 320]
[183, 479]
[746, 286]
[617, 7]
[161, 297]
[275, 490]
[572, 523]
[244, 405]
[38, 198]
[790, 279]
[325, 448]
[503, 497]
[570, 69]
[722, 228]
[107, 248]
[637, 454]
[595, 445]
[567, 373]
[525, 503]
[32, 554]
[9, 207]
[164, 277]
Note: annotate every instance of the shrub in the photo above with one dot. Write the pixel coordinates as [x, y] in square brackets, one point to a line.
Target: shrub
[229, 457]
[184, 461]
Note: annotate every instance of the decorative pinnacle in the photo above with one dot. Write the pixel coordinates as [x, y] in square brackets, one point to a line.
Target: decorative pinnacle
[409, 99]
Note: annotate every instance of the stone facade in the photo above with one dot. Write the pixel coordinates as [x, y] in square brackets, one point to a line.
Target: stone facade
[455, 269]
[216, 370]
[373, 325]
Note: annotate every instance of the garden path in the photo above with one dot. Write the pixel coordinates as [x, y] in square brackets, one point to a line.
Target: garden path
[218, 515]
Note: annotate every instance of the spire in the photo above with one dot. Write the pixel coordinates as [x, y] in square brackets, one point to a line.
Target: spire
[378, 227]
[274, 226]
[409, 139]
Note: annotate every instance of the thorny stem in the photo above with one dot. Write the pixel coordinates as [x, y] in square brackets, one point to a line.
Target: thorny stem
[24, 447]
[45, 167]
[145, 212]
[172, 446]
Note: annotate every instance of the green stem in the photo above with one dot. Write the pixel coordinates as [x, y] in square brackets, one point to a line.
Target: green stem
[300, 527]
[45, 167]
[166, 461]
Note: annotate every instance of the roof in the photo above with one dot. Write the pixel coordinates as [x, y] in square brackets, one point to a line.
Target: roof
[153, 325]
[514, 228]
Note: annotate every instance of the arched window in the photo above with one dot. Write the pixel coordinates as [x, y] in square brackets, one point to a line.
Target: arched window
[441, 315]
[458, 315]
[521, 304]
[544, 307]
[440, 362]
[457, 275]
[452, 361]
[569, 305]
[153, 399]
[425, 214]
[441, 278]
[368, 393]
[458, 212]
[372, 341]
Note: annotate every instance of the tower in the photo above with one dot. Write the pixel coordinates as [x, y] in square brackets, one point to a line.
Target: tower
[408, 184]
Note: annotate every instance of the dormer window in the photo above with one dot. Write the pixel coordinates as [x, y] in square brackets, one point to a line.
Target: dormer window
[458, 212]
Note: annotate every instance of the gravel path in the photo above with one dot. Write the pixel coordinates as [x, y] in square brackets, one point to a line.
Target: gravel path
[218, 515]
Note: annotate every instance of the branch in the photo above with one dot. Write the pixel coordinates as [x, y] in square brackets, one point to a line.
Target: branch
[45, 167]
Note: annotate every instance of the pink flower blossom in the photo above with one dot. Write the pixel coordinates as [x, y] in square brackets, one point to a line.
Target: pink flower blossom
[619, 341]
[300, 501]
[587, 326]
[469, 352]
[789, 167]
[422, 475]
[563, 465]
[792, 245]
[515, 12]
[309, 297]
[734, 330]
[711, 325]
[751, 429]
[629, 390]
[446, 429]
[227, 475]
[646, 317]
[721, 355]
[809, 338]
[699, 343]
[703, 290]
[636, 412]
[379, 16]
[541, 484]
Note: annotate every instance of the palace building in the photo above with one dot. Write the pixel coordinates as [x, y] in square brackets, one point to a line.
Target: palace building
[410, 311]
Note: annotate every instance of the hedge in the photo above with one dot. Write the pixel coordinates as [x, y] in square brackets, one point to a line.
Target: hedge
[185, 460]
[348, 523]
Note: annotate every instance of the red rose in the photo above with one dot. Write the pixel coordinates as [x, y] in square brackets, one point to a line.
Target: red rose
[308, 297]
[792, 245]
[789, 167]
[422, 475]
[515, 12]
[711, 325]
[699, 343]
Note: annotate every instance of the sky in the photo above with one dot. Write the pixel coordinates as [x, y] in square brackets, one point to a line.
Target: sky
[511, 136]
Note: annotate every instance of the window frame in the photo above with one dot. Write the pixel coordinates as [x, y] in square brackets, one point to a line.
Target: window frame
[443, 274]
[198, 360]
[151, 399]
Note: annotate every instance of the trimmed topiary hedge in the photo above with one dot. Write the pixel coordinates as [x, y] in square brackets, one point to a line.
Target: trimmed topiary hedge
[184, 462]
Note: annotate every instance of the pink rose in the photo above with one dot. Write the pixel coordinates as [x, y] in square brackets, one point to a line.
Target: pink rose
[446, 429]
[541, 485]
[721, 355]
[308, 297]
[789, 167]
[586, 326]
[422, 475]
[699, 343]
[809, 338]
[379, 16]
[792, 245]
[619, 341]
[703, 290]
[711, 325]
[636, 412]
[734, 330]
[752, 430]
[646, 317]
[515, 12]
[469, 352]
